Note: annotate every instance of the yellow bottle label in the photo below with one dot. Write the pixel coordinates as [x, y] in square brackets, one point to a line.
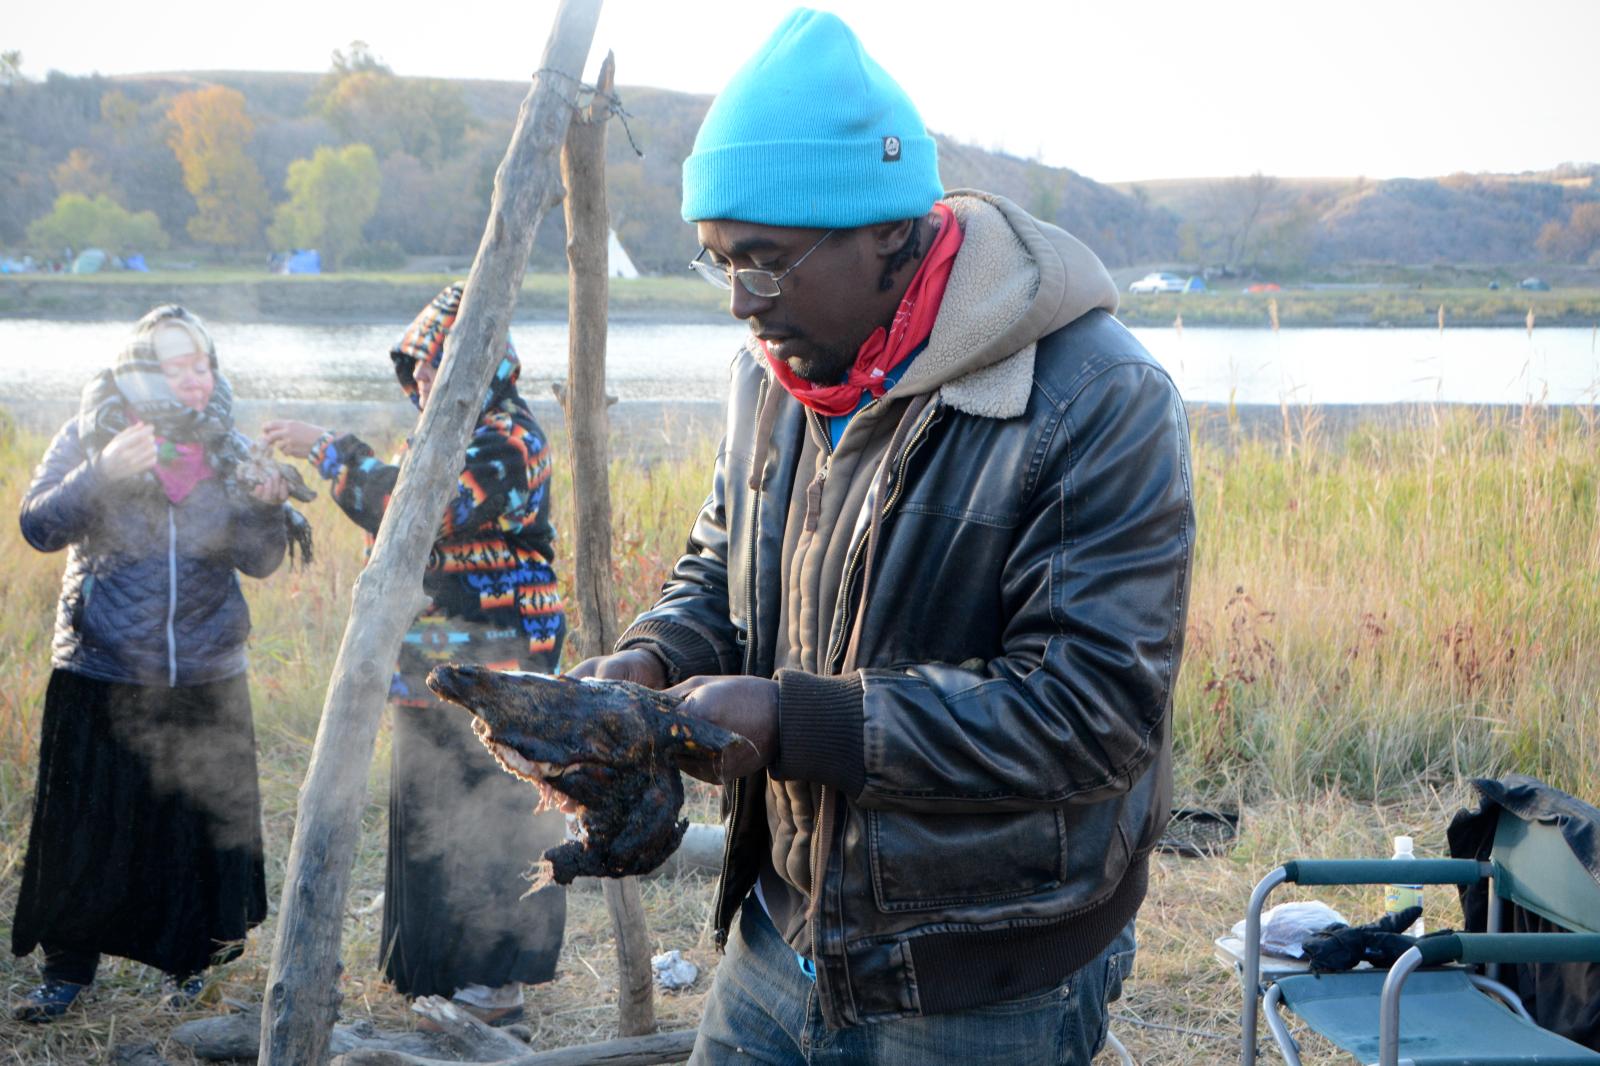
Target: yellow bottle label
[1399, 897]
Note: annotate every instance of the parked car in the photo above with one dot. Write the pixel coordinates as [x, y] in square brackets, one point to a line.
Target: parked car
[1159, 282]
[1534, 285]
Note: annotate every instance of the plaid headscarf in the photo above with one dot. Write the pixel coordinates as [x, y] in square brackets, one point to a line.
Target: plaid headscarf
[135, 383]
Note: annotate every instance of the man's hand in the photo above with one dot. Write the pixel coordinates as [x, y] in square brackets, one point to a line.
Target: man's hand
[638, 665]
[129, 454]
[291, 437]
[745, 705]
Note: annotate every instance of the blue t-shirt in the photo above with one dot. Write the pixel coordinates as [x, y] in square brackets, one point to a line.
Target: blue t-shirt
[836, 423]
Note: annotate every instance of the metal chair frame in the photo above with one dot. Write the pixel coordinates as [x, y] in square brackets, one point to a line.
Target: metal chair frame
[1490, 948]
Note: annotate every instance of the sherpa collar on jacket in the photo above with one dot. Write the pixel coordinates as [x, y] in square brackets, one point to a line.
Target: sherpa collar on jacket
[1016, 279]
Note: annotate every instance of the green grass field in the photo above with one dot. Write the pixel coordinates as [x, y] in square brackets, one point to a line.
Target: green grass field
[347, 296]
[1411, 306]
[1376, 618]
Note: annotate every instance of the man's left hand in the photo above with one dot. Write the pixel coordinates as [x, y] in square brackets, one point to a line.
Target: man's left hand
[747, 706]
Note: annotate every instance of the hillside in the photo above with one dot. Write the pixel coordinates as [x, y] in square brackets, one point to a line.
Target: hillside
[436, 144]
[1478, 219]
[111, 134]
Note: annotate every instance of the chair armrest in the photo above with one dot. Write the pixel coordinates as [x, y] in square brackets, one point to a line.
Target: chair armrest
[1508, 947]
[1385, 871]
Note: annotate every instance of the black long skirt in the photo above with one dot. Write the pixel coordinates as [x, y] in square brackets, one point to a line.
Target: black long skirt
[462, 838]
[146, 834]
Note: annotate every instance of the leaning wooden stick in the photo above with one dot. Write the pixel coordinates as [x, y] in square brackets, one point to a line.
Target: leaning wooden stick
[302, 994]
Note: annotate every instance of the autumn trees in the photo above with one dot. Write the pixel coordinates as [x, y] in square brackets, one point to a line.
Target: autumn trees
[240, 163]
[210, 132]
[331, 197]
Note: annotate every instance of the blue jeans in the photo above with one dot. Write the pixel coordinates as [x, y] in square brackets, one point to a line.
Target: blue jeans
[763, 1009]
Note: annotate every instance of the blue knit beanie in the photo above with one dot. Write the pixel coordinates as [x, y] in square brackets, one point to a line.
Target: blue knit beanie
[811, 132]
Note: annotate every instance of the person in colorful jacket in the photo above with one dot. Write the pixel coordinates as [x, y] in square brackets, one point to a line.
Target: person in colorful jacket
[939, 584]
[146, 832]
[461, 831]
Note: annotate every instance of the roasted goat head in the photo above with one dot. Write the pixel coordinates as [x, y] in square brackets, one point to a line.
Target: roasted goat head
[610, 746]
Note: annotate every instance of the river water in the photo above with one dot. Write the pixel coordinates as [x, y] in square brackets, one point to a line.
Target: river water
[46, 362]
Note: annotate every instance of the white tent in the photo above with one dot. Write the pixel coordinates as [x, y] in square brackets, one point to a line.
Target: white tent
[619, 264]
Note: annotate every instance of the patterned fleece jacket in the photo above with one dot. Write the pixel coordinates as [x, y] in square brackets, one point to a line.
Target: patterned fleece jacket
[491, 561]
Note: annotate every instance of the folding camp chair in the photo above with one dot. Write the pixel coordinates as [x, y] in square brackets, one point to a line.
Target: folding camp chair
[1448, 1015]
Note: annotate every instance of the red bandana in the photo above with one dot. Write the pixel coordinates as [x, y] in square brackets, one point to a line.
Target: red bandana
[886, 348]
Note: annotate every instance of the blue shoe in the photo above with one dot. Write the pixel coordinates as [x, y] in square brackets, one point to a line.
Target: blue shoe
[47, 1002]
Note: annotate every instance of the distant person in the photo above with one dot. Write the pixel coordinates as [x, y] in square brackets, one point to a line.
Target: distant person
[938, 582]
[146, 833]
[462, 832]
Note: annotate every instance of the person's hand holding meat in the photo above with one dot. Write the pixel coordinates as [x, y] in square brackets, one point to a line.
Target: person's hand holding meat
[639, 665]
[291, 437]
[747, 706]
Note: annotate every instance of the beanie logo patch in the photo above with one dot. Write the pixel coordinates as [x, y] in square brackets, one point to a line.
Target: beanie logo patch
[891, 149]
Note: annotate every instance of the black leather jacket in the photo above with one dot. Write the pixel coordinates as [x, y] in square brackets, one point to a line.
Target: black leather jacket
[996, 769]
[150, 595]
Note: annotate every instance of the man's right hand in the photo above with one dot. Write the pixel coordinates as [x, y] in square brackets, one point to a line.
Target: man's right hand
[130, 453]
[639, 665]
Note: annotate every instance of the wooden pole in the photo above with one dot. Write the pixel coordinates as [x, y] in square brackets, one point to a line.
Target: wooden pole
[583, 171]
[302, 994]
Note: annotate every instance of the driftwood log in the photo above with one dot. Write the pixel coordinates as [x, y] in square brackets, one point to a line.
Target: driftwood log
[302, 992]
[625, 1051]
[583, 171]
[460, 1037]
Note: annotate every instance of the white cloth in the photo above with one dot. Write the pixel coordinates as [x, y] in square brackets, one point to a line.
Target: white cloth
[485, 998]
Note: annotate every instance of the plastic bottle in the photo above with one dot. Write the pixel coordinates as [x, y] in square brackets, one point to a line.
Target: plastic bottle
[1397, 898]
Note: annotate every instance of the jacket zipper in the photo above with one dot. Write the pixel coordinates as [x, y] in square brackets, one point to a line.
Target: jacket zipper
[842, 610]
[819, 854]
[822, 836]
[735, 802]
[750, 557]
[172, 597]
[736, 790]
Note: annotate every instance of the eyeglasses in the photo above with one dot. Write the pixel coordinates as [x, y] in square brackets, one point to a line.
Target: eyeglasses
[762, 283]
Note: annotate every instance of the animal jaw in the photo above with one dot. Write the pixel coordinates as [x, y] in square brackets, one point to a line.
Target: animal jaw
[536, 773]
[610, 748]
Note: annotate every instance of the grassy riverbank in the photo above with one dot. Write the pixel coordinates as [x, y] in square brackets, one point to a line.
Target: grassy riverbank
[232, 295]
[251, 296]
[1378, 615]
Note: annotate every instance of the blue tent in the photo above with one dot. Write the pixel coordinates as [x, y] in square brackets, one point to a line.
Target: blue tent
[303, 261]
[135, 262]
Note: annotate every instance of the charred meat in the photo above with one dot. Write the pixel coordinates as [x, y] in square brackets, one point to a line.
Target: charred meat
[611, 746]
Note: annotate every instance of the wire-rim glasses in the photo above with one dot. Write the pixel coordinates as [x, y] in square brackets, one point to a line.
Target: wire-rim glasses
[762, 283]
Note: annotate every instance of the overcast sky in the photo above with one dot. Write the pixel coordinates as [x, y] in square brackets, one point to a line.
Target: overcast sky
[1117, 91]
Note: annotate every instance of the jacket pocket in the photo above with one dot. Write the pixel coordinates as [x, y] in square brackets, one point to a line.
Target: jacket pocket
[78, 613]
[925, 862]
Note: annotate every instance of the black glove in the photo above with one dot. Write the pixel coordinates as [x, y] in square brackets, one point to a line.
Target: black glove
[1341, 947]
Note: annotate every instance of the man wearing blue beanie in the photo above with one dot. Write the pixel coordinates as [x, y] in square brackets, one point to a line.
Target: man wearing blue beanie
[939, 585]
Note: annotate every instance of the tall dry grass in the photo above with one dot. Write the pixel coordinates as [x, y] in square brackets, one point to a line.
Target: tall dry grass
[1409, 605]
[1376, 617]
